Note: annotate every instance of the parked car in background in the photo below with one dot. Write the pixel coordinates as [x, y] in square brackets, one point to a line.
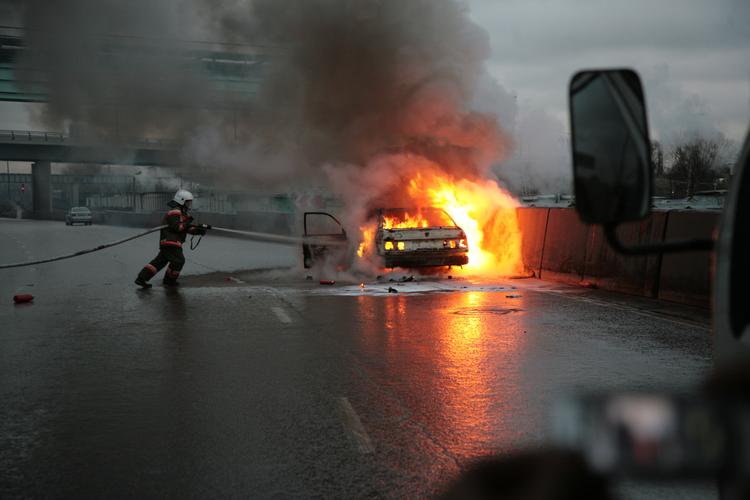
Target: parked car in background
[79, 215]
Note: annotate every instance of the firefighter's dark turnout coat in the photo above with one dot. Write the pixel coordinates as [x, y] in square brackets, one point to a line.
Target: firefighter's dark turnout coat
[171, 238]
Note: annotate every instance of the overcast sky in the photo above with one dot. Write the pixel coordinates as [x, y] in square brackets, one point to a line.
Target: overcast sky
[693, 55]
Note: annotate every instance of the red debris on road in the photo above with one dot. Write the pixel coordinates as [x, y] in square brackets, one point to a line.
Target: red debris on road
[327, 282]
[22, 298]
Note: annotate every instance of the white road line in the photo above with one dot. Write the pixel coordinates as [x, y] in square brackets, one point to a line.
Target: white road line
[354, 428]
[281, 314]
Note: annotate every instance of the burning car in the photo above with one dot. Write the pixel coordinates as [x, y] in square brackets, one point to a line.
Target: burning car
[420, 237]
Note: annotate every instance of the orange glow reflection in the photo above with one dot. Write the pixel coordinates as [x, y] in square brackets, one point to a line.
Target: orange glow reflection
[455, 369]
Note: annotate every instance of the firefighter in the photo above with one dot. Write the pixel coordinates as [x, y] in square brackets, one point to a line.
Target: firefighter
[178, 223]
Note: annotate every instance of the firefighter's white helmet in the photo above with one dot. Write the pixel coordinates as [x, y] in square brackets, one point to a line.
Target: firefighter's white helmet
[182, 196]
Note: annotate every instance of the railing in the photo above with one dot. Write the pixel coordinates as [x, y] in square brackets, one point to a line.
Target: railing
[39, 137]
[32, 136]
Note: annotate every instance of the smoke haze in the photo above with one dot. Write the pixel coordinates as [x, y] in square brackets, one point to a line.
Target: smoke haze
[355, 96]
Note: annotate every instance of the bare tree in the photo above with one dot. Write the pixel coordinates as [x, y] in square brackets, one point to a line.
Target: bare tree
[698, 159]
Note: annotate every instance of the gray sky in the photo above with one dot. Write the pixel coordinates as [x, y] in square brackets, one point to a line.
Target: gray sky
[693, 55]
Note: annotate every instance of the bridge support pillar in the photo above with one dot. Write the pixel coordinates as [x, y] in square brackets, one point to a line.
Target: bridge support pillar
[41, 182]
[75, 198]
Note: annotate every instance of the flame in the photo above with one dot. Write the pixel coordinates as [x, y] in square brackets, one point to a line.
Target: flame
[368, 235]
[486, 213]
[484, 210]
[407, 222]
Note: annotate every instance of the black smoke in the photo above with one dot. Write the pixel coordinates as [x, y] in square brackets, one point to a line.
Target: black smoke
[347, 82]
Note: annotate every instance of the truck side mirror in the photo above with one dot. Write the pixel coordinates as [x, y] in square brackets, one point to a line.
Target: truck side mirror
[611, 146]
[612, 156]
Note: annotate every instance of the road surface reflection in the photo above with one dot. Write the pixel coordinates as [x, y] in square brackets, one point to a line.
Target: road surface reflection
[454, 365]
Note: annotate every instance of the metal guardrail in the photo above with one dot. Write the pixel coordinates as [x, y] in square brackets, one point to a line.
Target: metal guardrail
[33, 136]
[40, 137]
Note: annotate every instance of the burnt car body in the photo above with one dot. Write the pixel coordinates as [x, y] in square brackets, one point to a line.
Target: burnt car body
[420, 237]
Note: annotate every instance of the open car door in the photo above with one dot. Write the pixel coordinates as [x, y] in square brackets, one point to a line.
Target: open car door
[329, 238]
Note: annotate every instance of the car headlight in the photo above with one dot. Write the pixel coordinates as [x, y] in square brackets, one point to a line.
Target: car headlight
[401, 245]
[389, 245]
[462, 244]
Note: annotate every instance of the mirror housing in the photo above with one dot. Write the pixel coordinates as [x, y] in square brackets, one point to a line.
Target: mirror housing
[610, 145]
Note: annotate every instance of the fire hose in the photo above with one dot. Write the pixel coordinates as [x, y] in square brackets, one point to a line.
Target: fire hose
[266, 237]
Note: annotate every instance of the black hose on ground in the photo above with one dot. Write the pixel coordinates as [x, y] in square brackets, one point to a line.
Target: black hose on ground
[270, 238]
[81, 252]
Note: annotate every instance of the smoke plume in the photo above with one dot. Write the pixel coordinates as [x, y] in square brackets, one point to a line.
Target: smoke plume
[355, 95]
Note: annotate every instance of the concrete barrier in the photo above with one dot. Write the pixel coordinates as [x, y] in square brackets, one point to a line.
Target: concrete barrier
[267, 222]
[53, 215]
[533, 225]
[564, 250]
[129, 219]
[686, 277]
[610, 270]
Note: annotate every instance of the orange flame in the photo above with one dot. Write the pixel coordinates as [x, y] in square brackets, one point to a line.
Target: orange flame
[483, 209]
[407, 222]
[486, 213]
[368, 235]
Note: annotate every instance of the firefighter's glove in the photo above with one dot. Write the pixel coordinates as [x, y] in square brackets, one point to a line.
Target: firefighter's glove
[200, 229]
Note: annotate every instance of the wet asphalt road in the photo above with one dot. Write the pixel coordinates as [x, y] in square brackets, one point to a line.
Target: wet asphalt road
[270, 385]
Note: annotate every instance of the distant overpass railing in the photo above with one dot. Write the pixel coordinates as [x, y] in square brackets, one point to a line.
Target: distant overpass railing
[32, 136]
[41, 137]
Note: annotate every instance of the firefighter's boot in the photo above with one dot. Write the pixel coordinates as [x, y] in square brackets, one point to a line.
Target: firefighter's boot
[170, 277]
[146, 274]
[142, 283]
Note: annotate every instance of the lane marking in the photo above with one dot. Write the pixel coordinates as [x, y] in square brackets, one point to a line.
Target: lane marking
[282, 297]
[354, 428]
[281, 314]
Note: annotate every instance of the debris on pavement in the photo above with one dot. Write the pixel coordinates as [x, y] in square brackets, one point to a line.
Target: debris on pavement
[392, 290]
[23, 298]
[327, 282]
[513, 296]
